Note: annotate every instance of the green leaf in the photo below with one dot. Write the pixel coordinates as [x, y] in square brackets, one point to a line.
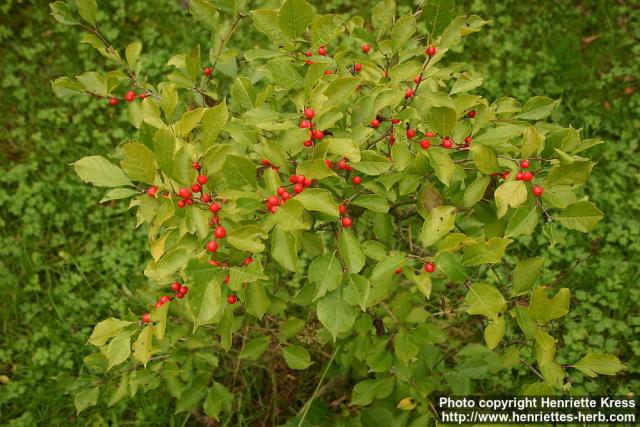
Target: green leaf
[254, 348]
[356, 290]
[119, 349]
[132, 53]
[485, 300]
[439, 222]
[243, 93]
[284, 73]
[284, 249]
[314, 169]
[351, 251]
[537, 108]
[526, 274]
[442, 120]
[65, 87]
[86, 398]
[296, 357]
[575, 173]
[405, 346]
[62, 13]
[169, 100]
[240, 172]
[372, 202]
[344, 147]
[189, 121]
[581, 216]
[213, 122]
[544, 309]
[485, 159]
[289, 216]
[219, 398]
[88, 9]
[256, 300]
[437, 15]
[159, 319]
[510, 194]
[532, 142]
[139, 163]
[402, 31]
[340, 89]
[142, 348]
[206, 13]
[475, 191]
[325, 28]
[118, 193]
[165, 144]
[443, 165]
[318, 199]
[326, 272]
[204, 299]
[266, 21]
[523, 221]
[335, 314]
[295, 17]
[247, 238]
[494, 332]
[489, 252]
[367, 390]
[100, 172]
[107, 329]
[599, 363]
[382, 15]
[372, 163]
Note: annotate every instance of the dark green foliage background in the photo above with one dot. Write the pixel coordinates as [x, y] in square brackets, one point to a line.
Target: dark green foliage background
[66, 263]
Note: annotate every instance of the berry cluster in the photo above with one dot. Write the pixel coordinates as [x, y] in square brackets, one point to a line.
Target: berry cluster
[345, 220]
[314, 134]
[180, 291]
[525, 175]
[129, 97]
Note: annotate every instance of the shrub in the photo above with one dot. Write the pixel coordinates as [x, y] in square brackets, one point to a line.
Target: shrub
[337, 198]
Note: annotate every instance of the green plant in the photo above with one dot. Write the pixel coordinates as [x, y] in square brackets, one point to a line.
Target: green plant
[338, 225]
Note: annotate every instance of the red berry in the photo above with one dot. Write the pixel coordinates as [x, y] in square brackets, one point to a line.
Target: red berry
[398, 271]
[317, 134]
[158, 305]
[408, 93]
[206, 198]
[342, 209]
[164, 299]
[411, 132]
[366, 48]
[175, 286]
[231, 299]
[143, 95]
[520, 176]
[524, 164]
[417, 79]
[357, 67]
[309, 113]
[425, 143]
[429, 267]
[304, 124]
[293, 179]
[273, 209]
[183, 290]
[375, 123]
[207, 71]
[327, 72]
[212, 246]
[189, 202]
[196, 166]
[281, 191]
[214, 207]
[308, 143]
[298, 188]
[182, 204]
[285, 196]
[395, 121]
[447, 143]
[265, 162]
[300, 179]
[322, 50]
[308, 53]
[184, 193]
[226, 279]
[130, 96]
[113, 101]
[346, 222]
[431, 50]
[151, 191]
[467, 139]
[220, 232]
[537, 191]
[247, 261]
[328, 163]
[356, 180]
[214, 263]
[146, 318]
[307, 182]
[342, 164]
[392, 139]
[429, 134]
[196, 188]
[471, 114]
[527, 176]
[505, 175]
[179, 296]
[273, 201]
